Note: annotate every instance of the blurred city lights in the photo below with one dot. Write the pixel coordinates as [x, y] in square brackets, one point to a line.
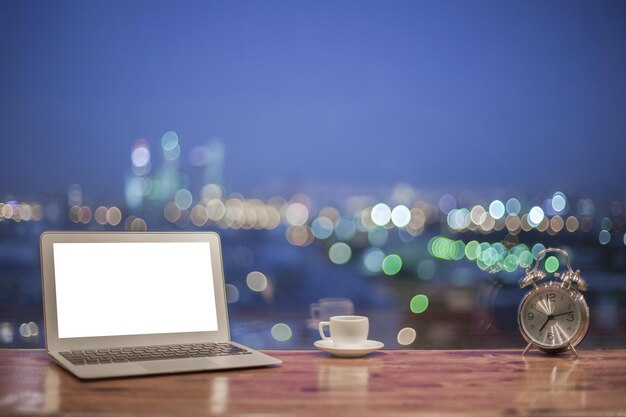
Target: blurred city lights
[297, 214]
[496, 209]
[419, 303]
[373, 259]
[447, 203]
[256, 281]
[559, 202]
[536, 249]
[183, 199]
[406, 336]
[377, 236]
[604, 237]
[401, 216]
[281, 332]
[140, 155]
[381, 214]
[551, 264]
[340, 253]
[169, 141]
[345, 229]
[535, 216]
[114, 216]
[232, 293]
[513, 206]
[322, 228]
[392, 264]
[7, 333]
[299, 235]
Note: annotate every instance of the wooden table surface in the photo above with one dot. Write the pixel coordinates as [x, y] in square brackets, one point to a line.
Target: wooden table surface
[311, 383]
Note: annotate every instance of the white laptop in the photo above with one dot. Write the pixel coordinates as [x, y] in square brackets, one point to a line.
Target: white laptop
[127, 303]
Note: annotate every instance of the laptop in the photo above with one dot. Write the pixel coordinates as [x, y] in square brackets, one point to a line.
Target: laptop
[127, 303]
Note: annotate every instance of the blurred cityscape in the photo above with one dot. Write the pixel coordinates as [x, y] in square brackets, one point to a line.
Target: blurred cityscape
[431, 268]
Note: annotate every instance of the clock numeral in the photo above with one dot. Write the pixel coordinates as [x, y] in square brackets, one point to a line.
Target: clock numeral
[550, 337]
[570, 317]
[530, 316]
[532, 326]
[569, 328]
[551, 297]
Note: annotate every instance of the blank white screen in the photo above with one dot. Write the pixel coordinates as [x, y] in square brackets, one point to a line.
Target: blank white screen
[115, 289]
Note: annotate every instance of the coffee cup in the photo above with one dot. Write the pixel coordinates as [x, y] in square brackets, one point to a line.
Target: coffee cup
[346, 331]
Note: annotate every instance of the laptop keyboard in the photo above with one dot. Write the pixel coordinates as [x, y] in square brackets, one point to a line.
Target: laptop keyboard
[152, 353]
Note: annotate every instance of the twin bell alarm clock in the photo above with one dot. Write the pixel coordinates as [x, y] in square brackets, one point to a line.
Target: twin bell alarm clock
[553, 317]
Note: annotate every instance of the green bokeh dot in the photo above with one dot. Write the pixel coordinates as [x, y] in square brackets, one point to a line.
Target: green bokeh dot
[419, 303]
[472, 250]
[392, 264]
[525, 259]
[552, 264]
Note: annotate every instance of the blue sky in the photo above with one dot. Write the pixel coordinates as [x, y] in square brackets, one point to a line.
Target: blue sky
[483, 94]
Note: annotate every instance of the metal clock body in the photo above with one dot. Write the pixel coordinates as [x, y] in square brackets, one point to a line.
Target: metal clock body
[554, 316]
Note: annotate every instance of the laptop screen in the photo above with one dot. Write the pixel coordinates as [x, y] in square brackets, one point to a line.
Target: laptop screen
[120, 289]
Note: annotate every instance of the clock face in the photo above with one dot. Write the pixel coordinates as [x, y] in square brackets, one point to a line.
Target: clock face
[553, 317]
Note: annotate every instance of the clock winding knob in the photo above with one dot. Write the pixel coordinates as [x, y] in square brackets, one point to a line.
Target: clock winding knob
[532, 276]
[574, 279]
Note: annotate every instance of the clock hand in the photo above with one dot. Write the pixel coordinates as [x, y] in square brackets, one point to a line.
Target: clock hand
[544, 324]
[562, 314]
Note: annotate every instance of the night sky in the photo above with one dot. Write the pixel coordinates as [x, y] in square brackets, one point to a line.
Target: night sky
[481, 94]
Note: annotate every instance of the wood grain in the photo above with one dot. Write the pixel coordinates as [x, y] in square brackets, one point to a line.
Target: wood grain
[311, 383]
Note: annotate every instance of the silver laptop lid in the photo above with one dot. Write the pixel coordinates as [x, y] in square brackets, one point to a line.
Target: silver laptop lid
[115, 289]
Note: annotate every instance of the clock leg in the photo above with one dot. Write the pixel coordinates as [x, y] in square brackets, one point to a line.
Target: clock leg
[528, 348]
[573, 350]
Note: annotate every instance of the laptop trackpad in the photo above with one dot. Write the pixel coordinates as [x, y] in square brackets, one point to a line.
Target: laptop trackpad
[178, 365]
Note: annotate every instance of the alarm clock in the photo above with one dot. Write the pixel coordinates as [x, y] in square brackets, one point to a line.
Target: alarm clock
[554, 316]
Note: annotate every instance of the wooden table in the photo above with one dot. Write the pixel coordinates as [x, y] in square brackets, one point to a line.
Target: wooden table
[311, 383]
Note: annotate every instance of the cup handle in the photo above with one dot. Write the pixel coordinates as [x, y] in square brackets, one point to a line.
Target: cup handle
[315, 311]
[321, 328]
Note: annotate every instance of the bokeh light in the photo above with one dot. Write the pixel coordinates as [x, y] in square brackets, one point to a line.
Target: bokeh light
[447, 203]
[340, 253]
[377, 236]
[381, 214]
[419, 303]
[496, 209]
[183, 198]
[406, 336]
[281, 332]
[114, 216]
[256, 281]
[604, 237]
[535, 216]
[232, 293]
[538, 247]
[373, 260]
[559, 202]
[513, 206]
[322, 228]
[345, 229]
[551, 264]
[392, 264]
[169, 141]
[401, 216]
[297, 214]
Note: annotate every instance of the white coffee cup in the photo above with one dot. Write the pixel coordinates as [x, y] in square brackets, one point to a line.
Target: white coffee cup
[346, 331]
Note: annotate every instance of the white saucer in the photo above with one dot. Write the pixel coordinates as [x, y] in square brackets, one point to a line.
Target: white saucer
[351, 352]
